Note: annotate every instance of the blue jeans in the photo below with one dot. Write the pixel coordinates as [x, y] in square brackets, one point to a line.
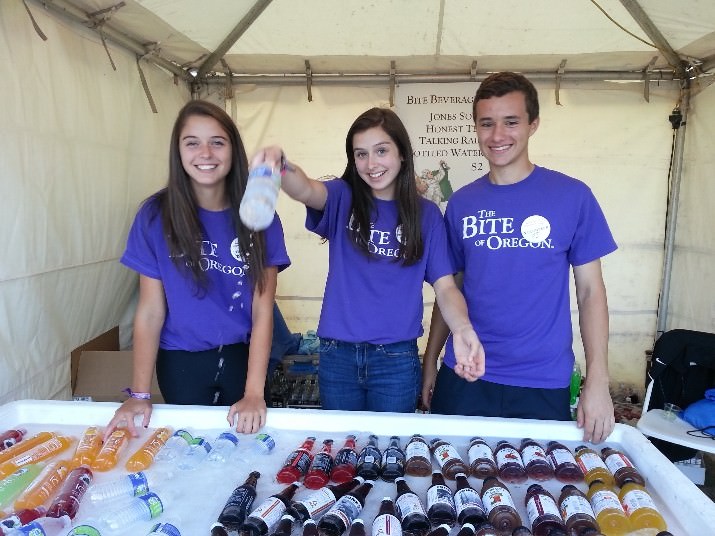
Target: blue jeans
[372, 377]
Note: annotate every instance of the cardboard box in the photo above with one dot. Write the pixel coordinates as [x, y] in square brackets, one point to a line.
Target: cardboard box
[109, 340]
[101, 376]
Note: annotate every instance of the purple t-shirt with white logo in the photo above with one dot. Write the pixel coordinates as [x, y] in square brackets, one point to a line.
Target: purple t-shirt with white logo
[516, 244]
[222, 313]
[375, 299]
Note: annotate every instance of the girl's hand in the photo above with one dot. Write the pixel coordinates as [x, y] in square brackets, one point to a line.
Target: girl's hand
[469, 354]
[247, 415]
[124, 416]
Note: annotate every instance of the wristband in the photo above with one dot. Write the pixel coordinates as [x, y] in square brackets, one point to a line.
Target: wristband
[138, 396]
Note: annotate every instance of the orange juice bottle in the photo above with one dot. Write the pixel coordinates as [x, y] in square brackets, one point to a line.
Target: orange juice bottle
[108, 455]
[44, 450]
[144, 457]
[592, 465]
[44, 486]
[640, 508]
[610, 516]
[25, 445]
[88, 447]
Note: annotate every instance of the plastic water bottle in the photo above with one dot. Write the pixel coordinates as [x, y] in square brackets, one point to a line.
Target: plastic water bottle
[126, 515]
[263, 443]
[131, 485]
[223, 446]
[175, 446]
[198, 452]
[258, 205]
[165, 529]
[41, 526]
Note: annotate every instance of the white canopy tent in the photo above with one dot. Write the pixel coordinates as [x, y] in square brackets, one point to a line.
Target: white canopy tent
[91, 89]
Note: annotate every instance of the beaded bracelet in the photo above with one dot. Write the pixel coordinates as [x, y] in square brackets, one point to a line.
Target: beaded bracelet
[139, 396]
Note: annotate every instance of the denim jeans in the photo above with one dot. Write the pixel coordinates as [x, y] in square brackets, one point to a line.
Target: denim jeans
[372, 377]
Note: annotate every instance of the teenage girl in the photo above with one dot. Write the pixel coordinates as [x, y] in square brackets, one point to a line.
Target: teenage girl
[206, 283]
[384, 241]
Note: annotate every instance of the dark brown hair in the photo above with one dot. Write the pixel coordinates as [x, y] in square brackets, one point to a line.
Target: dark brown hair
[499, 84]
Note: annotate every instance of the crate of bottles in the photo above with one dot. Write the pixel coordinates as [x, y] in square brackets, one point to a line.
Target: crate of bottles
[196, 485]
[295, 382]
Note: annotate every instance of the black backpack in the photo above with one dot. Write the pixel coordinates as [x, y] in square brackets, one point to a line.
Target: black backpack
[682, 369]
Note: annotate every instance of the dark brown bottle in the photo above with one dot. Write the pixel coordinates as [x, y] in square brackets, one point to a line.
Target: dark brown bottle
[440, 504]
[441, 530]
[511, 466]
[369, 463]
[285, 525]
[481, 459]
[345, 463]
[521, 531]
[357, 528]
[269, 512]
[467, 529]
[468, 503]
[448, 458]
[566, 469]
[542, 510]
[576, 511]
[320, 501]
[410, 510]
[239, 503]
[310, 528]
[318, 474]
[536, 463]
[621, 467]
[346, 510]
[386, 523]
[393, 460]
[500, 506]
[486, 529]
[417, 454]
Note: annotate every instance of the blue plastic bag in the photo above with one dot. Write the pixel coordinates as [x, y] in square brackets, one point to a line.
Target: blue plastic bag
[701, 415]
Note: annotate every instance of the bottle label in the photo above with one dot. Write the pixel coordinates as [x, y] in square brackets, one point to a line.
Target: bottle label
[439, 494]
[270, 511]
[267, 442]
[11, 522]
[409, 503]
[318, 502]
[467, 498]
[31, 529]
[165, 528]
[532, 453]
[386, 525]
[636, 499]
[559, 456]
[588, 461]
[183, 434]
[201, 443]
[417, 449]
[346, 457]
[348, 508]
[299, 459]
[84, 530]
[228, 436]
[496, 496]
[617, 461]
[40, 452]
[445, 453]
[480, 451]
[153, 502]
[508, 455]
[539, 505]
[321, 462]
[603, 499]
[53, 482]
[574, 505]
[140, 485]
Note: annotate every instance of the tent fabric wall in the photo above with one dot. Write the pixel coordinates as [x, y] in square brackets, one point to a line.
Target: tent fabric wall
[81, 148]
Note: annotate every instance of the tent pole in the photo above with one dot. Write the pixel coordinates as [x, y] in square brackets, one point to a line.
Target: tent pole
[672, 218]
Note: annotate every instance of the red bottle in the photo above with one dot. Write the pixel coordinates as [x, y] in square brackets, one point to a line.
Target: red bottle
[535, 461]
[345, 464]
[543, 512]
[511, 466]
[66, 503]
[565, 467]
[319, 471]
[297, 463]
[22, 517]
[9, 437]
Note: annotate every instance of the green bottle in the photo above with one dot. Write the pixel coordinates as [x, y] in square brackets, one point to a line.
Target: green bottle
[575, 388]
[14, 484]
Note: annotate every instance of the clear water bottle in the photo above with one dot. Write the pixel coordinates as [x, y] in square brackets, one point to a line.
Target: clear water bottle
[42, 525]
[124, 516]
[131, 485]
[258, 205]
[198, 452]
[263, 443]
[175, 446]
[165, 529]
[223, 446]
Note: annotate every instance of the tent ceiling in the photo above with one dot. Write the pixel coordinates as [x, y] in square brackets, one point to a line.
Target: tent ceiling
[430, 37]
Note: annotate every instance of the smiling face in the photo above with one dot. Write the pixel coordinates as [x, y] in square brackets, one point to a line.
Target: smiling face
[205, 151]
[378, 161]
[503, 132]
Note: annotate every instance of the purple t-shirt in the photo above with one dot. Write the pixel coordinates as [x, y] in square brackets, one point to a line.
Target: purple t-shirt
[516, 244]
[375, 299]
[221, 314]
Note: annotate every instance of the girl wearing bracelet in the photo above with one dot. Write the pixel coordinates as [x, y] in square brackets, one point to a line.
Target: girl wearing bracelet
[206, 283]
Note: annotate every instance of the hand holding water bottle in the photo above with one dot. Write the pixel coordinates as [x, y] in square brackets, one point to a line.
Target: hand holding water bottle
[258, 205]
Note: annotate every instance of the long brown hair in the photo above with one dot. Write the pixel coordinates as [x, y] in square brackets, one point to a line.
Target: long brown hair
[179, 208]
[409, 211]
